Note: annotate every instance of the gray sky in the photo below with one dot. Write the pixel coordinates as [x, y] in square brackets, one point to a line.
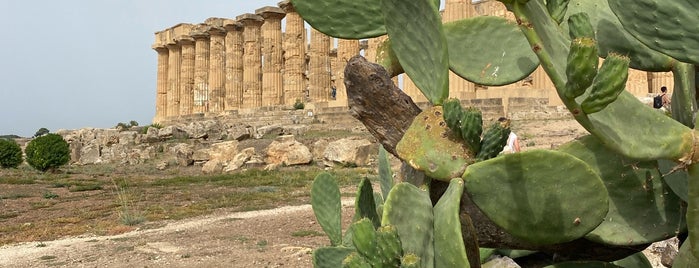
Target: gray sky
[71, 64]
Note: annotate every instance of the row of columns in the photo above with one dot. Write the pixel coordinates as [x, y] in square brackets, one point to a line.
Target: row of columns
[249, 62]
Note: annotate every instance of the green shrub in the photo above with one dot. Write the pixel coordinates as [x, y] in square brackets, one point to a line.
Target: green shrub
[47, 152]
[10, 153]
[299, 105]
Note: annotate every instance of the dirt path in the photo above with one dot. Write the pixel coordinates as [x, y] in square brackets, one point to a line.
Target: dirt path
[282, 237]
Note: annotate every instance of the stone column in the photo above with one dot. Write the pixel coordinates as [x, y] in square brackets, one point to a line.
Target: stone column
[201, 69]
[659, 79]
[346, 49]
[294, 55]
[217, 64]
[252, 70]
[319, 80]
[272, 87]
[186, 75]
[173, 78]
[162, 84]
[234, 65]
[456, 10]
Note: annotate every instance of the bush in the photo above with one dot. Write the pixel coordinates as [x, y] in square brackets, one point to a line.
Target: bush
[47, 152]
[299, 105]
[10, 153]
[42, 131]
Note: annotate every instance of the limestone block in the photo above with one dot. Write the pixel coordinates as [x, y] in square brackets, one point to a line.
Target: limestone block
[318, 148]
[90, 154]
[212, 166]
[172, 132]
[349, 151]
[152, 135]
[286, 150]
[127, 137]
[240, 159]
[264, 130]
[224, 151]
[183, 153]
[201, 155]
[239, 132]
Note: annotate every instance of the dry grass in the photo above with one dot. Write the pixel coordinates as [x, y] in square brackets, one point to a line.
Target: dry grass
[109, 199]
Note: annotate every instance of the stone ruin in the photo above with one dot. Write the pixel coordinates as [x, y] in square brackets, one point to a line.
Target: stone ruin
[231, 66]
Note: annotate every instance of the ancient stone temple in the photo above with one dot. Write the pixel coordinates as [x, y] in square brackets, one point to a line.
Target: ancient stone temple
[271, 58]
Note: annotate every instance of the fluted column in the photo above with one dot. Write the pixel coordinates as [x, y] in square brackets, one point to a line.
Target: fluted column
[173, 78]
[217, 65]
[346, 49]
[234, 65]
[252, 70]
[658, 80]
[186, 75]
[162, 83]
[272, 87]
[319, 67]
[201, 70]
[294, 55]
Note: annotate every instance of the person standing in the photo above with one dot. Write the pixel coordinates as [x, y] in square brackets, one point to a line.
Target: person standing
[512, 145]
[666, 98]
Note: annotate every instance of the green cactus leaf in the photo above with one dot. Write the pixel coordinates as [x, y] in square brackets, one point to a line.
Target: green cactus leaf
[642, 209]
[364, 203]
[448, 245]
[417, 38]
[677, 180]
[389, 247]
[612, 37]
[667, 138]
[583, 264]
[348, 19]
[666, 26]
[507, 59]
[385, 173]
[513, 253]
[637, 260]
[539, 194]
[409, 209]
[485, 253]
[410, 260]
[693, 210]
[330, 257]
[557, 9]
[684, 102]
[685, 258]
[327, 206]
[430, 146]
[364, 240]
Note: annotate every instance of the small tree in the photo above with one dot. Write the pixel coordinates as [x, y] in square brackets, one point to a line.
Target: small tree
[47, 152]
[10, 153]
[42, 131]
[133, 123]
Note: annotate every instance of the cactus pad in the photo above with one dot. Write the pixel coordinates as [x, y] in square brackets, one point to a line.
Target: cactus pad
[330, 257]
[349, 19]
[642, 209]
[417, 38]
[448, 245]
[637, 260]
[536, 195]
[584, 264]
[677, 179]
[409, 209]
[668, 26]
[430, 146]
[612, 37]
[327, 206]
[365, 204]
[507, 59]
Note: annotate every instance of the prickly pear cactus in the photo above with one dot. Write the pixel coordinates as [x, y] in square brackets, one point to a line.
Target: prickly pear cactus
[430, 146]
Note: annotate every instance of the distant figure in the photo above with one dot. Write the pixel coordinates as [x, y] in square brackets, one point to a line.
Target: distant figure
[333, 92]
[512, 145]
[662, 101]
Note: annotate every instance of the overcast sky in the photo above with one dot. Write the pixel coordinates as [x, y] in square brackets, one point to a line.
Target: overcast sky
[71, 64]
